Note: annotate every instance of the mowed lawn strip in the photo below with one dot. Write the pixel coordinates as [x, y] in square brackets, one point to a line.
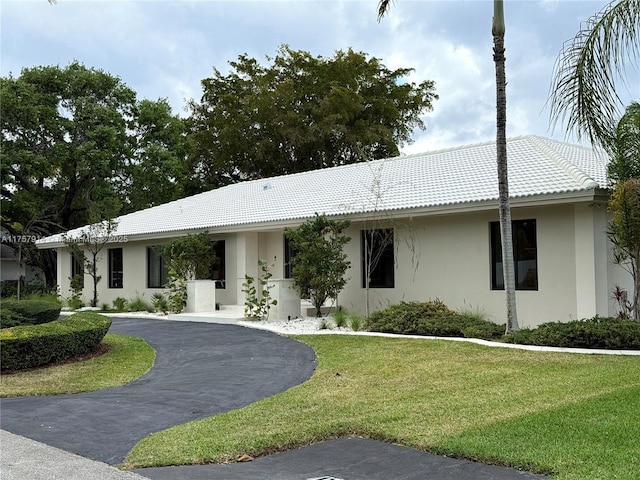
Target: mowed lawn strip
[437, 396]
[127, 358]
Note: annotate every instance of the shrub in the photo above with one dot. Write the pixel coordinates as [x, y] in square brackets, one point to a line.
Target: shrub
[431, 318]
[160, 302]
[139, 304]
[29, 346]
[404, 317]
[10, 318]
[596, 332]
[9, 288]
[340, 317]
[355, 322]
[30, 312]
[120, 304]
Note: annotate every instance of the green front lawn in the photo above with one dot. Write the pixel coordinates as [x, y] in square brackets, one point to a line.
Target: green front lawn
[577, 416]
[127, 359]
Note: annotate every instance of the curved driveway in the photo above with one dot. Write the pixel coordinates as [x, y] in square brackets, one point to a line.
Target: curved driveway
[201, 369]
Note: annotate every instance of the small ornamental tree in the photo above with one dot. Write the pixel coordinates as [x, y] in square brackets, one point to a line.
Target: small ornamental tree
[319, 261]
[190, 257]
[625, 233]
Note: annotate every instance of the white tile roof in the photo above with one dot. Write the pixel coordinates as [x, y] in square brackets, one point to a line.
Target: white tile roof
[456, 176]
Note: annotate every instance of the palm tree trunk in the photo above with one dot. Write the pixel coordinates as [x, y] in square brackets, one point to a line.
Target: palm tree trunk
[498, 30]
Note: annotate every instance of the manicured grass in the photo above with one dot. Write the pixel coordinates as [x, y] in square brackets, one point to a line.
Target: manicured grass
[128, 358]
[545, 412]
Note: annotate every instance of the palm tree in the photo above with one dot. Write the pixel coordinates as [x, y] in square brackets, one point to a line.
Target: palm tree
[508, 268]
[584, 91]
[585, 73]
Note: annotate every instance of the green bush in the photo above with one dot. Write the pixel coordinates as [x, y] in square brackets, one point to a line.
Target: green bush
[596, 332]
[10, 318]
[9, 288]
[139, 304]
[120, 304]
[30, 312]
[431, 318]
[28, 346]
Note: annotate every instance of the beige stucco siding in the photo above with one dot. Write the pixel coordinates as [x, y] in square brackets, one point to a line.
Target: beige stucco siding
[134, 281]
[448, 257]
[439, 256]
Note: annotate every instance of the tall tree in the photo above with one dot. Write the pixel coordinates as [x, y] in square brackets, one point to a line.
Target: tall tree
[64, 134]
[76, 146]
[587, 72]
[498, 31]
[156, 171]
[588, 69]
[300, 113]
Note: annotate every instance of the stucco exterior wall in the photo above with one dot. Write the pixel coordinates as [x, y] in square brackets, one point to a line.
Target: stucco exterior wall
[134, 280]
[448, 257]
[445, 257]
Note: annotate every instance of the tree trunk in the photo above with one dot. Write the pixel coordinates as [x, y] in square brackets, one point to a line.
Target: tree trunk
[636, 285]
[503, 181]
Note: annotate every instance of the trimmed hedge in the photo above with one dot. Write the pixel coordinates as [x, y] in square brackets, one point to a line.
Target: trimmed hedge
[29, 346]
[27, 312]
[596, 332]
[431, 318]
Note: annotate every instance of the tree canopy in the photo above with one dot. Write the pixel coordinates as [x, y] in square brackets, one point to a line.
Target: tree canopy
[77, 148]
[301, 113]
[318, 259]
[625, 163]
[588, 67]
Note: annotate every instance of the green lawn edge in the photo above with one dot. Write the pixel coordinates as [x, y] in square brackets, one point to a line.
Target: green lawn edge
[128, 359]
[439, 397]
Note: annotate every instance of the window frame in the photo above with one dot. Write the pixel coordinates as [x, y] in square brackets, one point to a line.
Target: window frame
[525, 281]
[163, 275]
[219, 248]
[77, 268]
[387, 261]
[113, 281]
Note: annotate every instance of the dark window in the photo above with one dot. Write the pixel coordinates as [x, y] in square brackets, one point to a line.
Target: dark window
[77, 268]
[525, 255]
[218, 268]
[288, 258]
[377, 254]
[115, 268]
[156, 269]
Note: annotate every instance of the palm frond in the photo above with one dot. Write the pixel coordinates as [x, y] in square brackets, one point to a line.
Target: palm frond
[586, 72]
[383, 8]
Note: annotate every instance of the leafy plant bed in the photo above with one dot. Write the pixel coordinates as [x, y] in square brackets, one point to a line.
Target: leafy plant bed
[28, 346]
[596, 332]
[432, 318]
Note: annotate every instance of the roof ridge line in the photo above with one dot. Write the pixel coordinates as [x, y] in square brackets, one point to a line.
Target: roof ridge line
[579, 175]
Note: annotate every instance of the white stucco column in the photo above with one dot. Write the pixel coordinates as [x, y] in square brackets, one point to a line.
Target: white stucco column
[247, 261]
[592, 290]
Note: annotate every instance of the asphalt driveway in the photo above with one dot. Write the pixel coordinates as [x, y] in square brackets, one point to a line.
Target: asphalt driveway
[201, 369]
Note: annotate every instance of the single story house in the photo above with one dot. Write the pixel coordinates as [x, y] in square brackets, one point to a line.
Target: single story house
[440, 210]
[12, 270]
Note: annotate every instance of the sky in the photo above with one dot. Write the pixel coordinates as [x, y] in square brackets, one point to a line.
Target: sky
[163, 49]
